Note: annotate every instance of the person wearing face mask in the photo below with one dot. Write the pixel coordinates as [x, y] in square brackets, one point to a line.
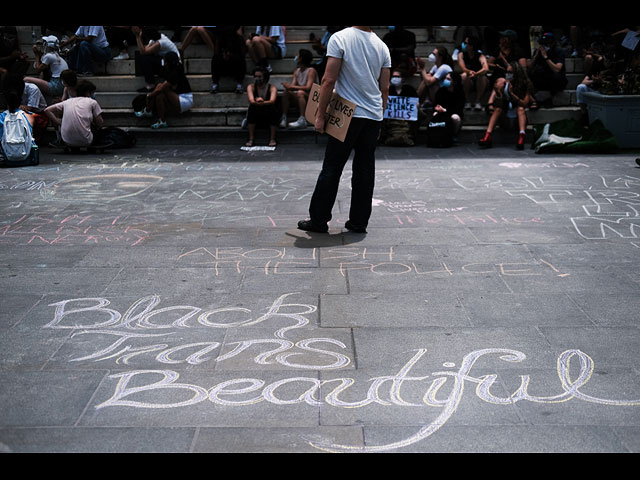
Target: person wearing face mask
[262, 110]
[432, 80]
[474, 66]
[446, 122]
[396, 132]
[402, 47]
[297, 91]
[547, 67]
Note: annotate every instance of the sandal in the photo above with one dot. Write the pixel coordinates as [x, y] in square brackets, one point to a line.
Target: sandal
[249, 143]
[273, 143]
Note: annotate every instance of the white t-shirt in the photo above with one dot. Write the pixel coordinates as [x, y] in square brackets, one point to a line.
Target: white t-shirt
[32, 97]
[98, 32]
[56, 63]
[440, 72]
[166, 45]
[363, 55]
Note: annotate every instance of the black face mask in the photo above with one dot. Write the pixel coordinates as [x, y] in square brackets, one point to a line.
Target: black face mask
[259, 81]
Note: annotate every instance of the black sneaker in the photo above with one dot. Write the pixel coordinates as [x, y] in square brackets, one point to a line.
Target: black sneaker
[309, 226]
[351, 227]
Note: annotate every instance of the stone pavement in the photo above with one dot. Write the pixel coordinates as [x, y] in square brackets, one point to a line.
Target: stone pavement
[161, 299]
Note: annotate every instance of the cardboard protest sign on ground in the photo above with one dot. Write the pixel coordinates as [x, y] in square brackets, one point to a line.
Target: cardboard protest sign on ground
[402, 108]
[339, 113]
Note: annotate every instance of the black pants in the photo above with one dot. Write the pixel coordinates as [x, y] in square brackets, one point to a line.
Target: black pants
[149, 66]
[362, 139]
[120, 37]
[228, 65]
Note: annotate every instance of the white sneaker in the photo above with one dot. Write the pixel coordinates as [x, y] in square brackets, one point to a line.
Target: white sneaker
[300, 123]
[283, 122]
[122, 56]
[478, 106]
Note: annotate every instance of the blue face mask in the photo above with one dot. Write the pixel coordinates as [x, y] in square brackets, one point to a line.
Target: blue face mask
[446, 83]
[463, 47]
[391, 29]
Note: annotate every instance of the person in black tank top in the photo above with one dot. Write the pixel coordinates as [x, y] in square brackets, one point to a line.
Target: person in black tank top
[474, 67]
[263, 107]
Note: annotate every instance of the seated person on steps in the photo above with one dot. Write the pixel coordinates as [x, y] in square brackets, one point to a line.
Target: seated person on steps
[78, 119]
[298, 89]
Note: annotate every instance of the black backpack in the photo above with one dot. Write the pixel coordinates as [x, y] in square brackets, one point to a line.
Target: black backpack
[440, 131]
[116, 138]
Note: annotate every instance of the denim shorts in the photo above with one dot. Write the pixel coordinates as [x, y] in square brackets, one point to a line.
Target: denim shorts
[56, 87]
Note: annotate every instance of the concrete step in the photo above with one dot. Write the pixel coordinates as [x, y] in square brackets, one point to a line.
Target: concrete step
[233, 116]
[202, 83]
[207, 135]
[198, 61]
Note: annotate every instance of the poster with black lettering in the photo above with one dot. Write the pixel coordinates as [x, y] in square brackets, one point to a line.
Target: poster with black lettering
[339, 113]
[402, 108]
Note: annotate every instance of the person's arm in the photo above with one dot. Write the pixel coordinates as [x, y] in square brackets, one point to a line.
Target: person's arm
[555, 67]
[385, 77]
[54, 114]
[273, 97]
[14, 55]
[424, 75]
[69, 40]
[160, 87]
[329, 79]
[250, 94]
[150, 49]
[311, 79]
[98, 121]
[463, 66]
[292, 83]
[485, 66]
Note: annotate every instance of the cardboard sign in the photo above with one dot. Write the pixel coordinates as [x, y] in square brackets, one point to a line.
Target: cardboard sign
[402, 108]
[339, 113]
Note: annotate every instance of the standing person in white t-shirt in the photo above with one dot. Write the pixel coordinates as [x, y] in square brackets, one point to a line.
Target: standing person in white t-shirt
[91, 45]
[358, 66]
